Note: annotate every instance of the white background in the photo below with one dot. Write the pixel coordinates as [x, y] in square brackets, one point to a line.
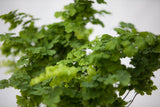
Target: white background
[145, 14]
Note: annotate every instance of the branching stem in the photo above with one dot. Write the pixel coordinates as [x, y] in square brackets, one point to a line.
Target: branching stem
[132, 99]
[126, 95]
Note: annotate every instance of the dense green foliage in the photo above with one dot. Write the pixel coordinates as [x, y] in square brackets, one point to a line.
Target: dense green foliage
[55, 69]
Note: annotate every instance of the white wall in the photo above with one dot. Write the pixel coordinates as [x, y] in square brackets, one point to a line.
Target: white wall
[143, 13]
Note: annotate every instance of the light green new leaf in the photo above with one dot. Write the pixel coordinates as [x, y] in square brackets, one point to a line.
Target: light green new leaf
[58, 14]
[61, 72]
[91, 70]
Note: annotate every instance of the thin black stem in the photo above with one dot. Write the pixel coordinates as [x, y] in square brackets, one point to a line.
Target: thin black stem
[132, 99]
[126, 95]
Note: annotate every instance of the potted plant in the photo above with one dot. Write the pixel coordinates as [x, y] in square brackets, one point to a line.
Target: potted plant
[56, 69]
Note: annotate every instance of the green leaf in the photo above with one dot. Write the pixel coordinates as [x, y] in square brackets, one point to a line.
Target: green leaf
[90, 93]
[20, 80]
[52, 98]
[69, 92]
[82, 33]
[51, 52]
[140, 43]
[69, 27]
[123, 77]
[101, 1]
[96, 57]
[71, 9]
[97, 21]
[127, 25]
[6, 37]
[158, 48]
[115, 56]
[83, 62]
[125, 43]
[111, 79]
[22, 61]
[150, 39]
[104, 11]
[58, 14]
[16, 19]
[54, 68]
[89, 84]
[35, 50]
[130, 50]
[59, 73]
[79, 54]
[23, 102]
[91, 70]
[4, 84]
[112, 45]
[119, 103]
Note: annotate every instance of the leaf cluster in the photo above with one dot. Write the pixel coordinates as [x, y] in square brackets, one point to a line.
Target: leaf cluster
[55, 69]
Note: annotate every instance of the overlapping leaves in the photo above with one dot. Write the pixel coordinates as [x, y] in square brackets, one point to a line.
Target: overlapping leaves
[55, 69]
